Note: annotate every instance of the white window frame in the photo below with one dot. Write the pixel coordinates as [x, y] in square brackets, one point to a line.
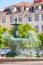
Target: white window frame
[11, 18]
[30, 18]
[36, 7]
[36, 17]
[37, 28]
[42, 17]
[3, 19]
[19, 17]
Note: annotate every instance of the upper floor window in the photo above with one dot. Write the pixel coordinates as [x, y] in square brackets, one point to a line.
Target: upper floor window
[31, 9]
[3, 19]
[37, 7]
[37, 28]
[11, 18]
[19, 9]
[36, 17]
[24, 8]
[42, 7]
[42, 27]
[11, 10]
[29, 18]
[20, 18]
[42, 17]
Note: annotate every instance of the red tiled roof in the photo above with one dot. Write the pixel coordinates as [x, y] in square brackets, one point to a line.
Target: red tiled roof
[37, 1]
[26, 4]
[21, 4]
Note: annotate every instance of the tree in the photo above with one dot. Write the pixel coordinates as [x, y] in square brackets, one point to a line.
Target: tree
[23, 30]
[40, 36]
[2, 30]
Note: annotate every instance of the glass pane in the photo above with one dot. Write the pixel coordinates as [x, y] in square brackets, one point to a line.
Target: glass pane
[11, 18]
[3, 19]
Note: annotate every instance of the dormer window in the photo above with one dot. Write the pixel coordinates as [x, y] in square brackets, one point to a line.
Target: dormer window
[37, 7]
[31, 9]
[41, 7]
[24, 8]
[19, 9]
[11, 10]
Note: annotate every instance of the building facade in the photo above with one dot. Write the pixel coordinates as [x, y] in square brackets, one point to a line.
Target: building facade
[23, 13]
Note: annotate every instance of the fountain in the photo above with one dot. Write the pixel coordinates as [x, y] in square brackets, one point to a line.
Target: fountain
[33, 41]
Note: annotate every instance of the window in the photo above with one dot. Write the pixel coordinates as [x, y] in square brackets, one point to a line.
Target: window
[11, 18]
[19, 9]
[24, 8]
[36, 7]
[37, 28]
[31, 9]
[42, 27]
[36, 17]
[42, 17]
[11, 10]
[42, 7]
[29, 18]
[3, 19]
[20, 19]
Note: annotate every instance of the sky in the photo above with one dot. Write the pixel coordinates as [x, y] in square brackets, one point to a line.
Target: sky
[5, 3]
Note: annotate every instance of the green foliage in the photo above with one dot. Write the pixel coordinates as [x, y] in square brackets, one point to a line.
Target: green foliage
[1, 41]
[40, 36]
[12, 30]
[8, 42]
[23, 30]
[2, 30]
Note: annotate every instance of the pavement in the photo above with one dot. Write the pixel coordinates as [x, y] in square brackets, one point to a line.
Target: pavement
[21, 61]
[25, 63]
